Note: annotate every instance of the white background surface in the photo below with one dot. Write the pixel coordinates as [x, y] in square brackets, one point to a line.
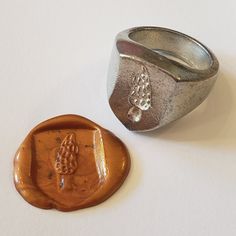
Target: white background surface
[54, 57]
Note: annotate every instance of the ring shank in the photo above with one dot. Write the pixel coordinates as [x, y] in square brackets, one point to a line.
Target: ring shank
[174, 46]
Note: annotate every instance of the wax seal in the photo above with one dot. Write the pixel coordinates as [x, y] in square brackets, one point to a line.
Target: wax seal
[68, 163]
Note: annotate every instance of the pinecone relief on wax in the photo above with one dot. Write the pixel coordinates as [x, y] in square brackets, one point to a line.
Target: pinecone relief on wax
[140, 95]
[66, 162]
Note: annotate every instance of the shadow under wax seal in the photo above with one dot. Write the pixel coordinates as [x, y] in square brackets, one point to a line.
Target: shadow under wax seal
[68, 163]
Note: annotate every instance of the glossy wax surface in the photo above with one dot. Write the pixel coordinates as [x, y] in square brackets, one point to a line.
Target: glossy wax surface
[68, 163]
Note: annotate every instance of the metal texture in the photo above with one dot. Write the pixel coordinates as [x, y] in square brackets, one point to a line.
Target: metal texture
[158, 75]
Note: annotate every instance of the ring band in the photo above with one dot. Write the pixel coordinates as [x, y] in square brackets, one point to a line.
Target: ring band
[158, 75]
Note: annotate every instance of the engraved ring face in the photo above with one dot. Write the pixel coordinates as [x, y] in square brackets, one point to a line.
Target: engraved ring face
[157, 75]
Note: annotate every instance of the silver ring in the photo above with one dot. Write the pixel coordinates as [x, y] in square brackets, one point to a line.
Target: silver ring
[158, 75]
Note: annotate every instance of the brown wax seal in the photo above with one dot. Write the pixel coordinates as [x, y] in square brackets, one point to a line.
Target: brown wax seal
[68, 163]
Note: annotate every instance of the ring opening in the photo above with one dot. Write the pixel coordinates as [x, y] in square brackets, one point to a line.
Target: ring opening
[174, 46]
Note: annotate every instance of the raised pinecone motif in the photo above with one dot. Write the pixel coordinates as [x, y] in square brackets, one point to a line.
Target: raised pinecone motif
[66, 157]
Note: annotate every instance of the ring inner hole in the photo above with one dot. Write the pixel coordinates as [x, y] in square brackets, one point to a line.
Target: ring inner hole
[174, 46]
